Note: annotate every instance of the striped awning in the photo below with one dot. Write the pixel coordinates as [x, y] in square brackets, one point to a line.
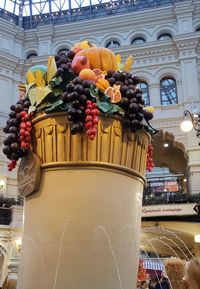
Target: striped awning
[153, 265]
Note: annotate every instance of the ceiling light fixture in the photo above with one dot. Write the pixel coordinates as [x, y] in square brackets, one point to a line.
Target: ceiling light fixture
[2, 184]
[197, 238]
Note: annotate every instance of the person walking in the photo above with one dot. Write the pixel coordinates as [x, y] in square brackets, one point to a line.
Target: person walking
[164, 283]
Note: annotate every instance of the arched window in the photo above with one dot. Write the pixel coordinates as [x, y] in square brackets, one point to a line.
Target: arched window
[63, 50]
[168, 91]
[164, 36]
[112, 44]
[145, 92]
[31, 55]
[138, 40]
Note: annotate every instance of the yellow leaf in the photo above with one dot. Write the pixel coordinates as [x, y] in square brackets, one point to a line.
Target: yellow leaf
[128, 63]
[51, 69]
[118, 59]
[30, 77]
[39, 78]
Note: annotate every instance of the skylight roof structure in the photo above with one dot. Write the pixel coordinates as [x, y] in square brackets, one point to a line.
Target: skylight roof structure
[32, 13]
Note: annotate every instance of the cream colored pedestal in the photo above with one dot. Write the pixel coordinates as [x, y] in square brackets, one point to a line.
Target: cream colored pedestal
[82, 228]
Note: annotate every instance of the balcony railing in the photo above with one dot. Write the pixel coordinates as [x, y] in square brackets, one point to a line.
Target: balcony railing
[170, 198]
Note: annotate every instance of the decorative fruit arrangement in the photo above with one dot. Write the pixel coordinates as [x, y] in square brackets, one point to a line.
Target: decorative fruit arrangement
[85, 82]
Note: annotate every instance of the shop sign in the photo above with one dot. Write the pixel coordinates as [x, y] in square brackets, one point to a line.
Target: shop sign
[169, 210]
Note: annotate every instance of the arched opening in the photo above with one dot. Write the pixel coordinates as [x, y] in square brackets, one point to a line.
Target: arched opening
[31, 55]
[168, 91]
[138, 41]
[168, 181]
[112, 44]
[198, 29]
[63, 51]
[165, 36]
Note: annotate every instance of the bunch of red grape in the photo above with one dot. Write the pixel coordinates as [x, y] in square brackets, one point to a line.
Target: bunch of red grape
[12, 148]
[131, 101]
[25, 131]
[77, 93]
[12, 165]
[150, 164]
[92, 112]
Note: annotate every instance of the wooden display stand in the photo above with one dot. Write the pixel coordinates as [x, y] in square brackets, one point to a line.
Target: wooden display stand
[82, 227]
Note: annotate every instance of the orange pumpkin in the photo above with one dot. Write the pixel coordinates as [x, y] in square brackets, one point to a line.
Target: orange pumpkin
[100, 57]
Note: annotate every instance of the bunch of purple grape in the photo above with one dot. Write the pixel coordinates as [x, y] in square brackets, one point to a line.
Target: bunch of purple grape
[77, 93]
[64, 62]
[131, 101]
[12, 148]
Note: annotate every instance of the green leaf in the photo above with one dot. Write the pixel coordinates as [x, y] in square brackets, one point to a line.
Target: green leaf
[117, 109]
[28, 87]
[31, 96]
[113, 110]
[31, 109]
[105, 98]
[41, 93]
[54, 105]
[93, 92]
[50, 109]
[57, 91]
[57, 102]
[65, 106]
[56, 81]
[45, 104]
[104, 106]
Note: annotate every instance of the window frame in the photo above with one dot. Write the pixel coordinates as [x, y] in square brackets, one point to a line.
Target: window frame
[167, 102]
[148, 94]
[138, 38]
[111, 42]
[31, 55]
[169, 36]
[65, 49]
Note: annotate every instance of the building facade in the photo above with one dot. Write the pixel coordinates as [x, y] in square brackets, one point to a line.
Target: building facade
[165, 43]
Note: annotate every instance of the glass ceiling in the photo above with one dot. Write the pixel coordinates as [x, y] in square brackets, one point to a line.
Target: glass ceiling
[32, 13]
[35, 7]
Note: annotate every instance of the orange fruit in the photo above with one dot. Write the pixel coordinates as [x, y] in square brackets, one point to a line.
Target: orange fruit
[102, 84]
[116, 97]
[101, 76]
[87, 74]
[114, 94]
[99, 73]
[109, 92]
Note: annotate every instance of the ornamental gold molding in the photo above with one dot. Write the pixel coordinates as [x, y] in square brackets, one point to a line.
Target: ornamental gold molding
[54, 143]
